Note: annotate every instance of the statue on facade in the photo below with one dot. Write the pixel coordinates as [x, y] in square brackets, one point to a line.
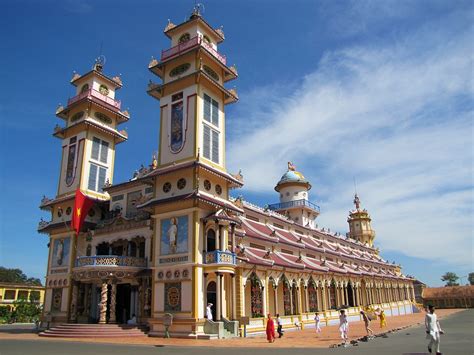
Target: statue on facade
[291, 167]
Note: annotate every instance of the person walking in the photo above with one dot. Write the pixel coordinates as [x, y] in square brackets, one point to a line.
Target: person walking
[209, 311]
[344, 326]
[383, 322]
[366, 320]
[279, 326]
[270, 329]
[317, 322]
[433, 330]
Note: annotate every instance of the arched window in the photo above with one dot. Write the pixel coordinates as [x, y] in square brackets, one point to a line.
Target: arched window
[84, 88]
[102, 249]
[184, 38]
[211, 240]
[132, 249]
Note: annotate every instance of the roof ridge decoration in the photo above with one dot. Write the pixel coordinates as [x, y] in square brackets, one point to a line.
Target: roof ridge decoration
[169, 26]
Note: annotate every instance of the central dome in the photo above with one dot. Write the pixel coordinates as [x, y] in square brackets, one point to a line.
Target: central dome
[292, 177]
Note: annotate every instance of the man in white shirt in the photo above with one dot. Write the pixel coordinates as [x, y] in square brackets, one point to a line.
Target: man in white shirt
[433, 330]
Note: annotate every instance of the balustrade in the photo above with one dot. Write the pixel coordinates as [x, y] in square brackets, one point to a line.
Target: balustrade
[219, 257]
[110, 261]
[94, 93]
[193, 42]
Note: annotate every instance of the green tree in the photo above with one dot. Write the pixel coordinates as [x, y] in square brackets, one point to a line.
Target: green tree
[471, 278]
[450, 278]
[17, 276]
[26, 311]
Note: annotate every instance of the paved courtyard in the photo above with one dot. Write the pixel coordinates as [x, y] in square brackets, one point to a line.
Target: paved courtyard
[459, 327]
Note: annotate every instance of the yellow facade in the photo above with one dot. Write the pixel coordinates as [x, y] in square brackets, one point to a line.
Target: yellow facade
[10, 293]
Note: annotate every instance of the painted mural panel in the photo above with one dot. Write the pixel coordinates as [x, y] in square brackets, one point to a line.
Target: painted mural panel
[174, 235]
[61, 250]
[177, 127]
[173, 297]
[56, 299]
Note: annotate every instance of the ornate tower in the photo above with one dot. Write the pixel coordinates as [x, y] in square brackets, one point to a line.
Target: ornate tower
[293, 189]
[360, 228]
[194, 220]
[88, 141]
[192, 94]
[90, 134]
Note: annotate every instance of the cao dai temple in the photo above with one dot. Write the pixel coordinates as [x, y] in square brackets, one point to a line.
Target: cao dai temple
[171, 239]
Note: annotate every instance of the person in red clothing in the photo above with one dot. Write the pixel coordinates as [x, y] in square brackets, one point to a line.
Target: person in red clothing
[270, 329]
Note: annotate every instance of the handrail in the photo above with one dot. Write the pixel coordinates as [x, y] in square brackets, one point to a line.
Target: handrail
[295, 203]
[191, 43]
[94, 93]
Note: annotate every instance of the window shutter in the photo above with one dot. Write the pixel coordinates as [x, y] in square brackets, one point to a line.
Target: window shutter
[92, 177]
[207, 142]
[104, 151]
[215, 146]
[207, 108]
[102, 174]
[95, 148]
[215, 113]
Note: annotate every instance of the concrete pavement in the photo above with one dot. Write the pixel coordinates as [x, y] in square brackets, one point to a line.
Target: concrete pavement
[458, 339]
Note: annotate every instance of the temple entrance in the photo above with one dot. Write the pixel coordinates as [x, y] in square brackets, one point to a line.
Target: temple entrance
[122, 308]
[211, 297]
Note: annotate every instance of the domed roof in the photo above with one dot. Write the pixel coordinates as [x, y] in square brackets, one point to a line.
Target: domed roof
[291, 177]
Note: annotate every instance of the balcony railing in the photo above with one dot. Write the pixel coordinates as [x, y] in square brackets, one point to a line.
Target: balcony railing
[193, 42]
[94, 93]
[110, 261]
[219, 257]
[295, 203]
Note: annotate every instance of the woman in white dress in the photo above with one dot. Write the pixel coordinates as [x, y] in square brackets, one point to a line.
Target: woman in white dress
[209, 311]
[344, 326]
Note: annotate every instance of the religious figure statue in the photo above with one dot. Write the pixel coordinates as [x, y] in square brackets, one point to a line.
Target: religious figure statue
[60, 252]
[291, 167]
[356, 201]
[173, 235]
[154, 162]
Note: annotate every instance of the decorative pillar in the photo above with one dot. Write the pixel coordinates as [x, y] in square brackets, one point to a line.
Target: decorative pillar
[328, 297]
[318, 298]
[275, 299]
[113, 303]
[73, 310]
[103, 303]
[232, 236]
[291, 297]
[354, 291]
[205, 291]
[413, 293]
[264, 298]
[222, 246]
[347, 295]
[306, 296]
[218, 296]
[218, 236]
[234, 296]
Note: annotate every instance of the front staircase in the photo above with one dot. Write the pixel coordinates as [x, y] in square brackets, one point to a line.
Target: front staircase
[95, 331]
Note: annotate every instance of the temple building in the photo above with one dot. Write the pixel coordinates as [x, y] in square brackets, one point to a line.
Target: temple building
[171, 240]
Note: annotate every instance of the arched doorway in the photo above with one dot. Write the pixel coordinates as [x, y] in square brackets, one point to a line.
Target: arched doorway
[332, 295]
[256, 297]
[211, 297]
[294, 295]
[350, 294]
[312, 296]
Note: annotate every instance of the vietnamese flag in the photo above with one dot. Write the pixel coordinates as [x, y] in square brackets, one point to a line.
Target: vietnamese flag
[82, 205]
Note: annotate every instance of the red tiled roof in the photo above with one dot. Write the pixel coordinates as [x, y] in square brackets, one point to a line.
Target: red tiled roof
[258, 230]
[287, 260]
[287, 237]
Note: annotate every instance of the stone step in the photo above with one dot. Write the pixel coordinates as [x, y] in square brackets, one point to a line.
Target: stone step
[95, 331]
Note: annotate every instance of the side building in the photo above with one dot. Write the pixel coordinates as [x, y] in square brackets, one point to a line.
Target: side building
[171, 240]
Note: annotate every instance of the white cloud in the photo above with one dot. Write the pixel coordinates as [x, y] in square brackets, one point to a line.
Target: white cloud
[398, 117]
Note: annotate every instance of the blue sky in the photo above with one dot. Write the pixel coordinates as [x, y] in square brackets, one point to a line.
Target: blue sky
[377, 90]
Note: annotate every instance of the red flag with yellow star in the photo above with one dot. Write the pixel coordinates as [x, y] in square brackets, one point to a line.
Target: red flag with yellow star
[82, 205]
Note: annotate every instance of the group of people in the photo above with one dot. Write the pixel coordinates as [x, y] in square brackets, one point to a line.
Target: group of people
[343, 325]
[433, 329]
